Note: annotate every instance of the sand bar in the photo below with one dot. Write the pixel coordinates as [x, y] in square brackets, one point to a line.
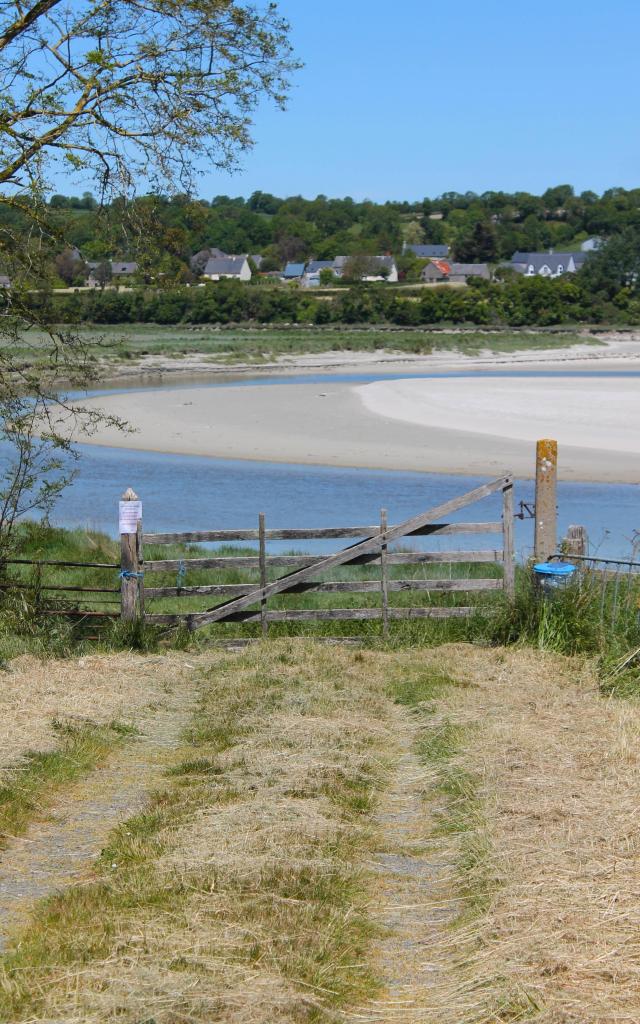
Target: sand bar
[473, 425]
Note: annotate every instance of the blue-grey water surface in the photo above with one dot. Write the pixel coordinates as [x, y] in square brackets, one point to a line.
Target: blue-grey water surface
[183, 492]
[186, 492]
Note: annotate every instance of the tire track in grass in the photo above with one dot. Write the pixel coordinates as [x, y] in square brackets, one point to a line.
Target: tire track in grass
[411, 875]
[58, 848]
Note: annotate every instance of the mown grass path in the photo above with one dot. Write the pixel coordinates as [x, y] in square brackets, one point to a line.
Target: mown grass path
[411, 889]
[408, 836]
[61, 844]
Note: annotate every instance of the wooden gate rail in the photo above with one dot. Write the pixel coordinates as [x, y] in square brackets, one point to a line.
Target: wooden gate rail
[370, 546]
[346, 586]
[323, 615]
[310, 561]
[371, 549]
[334, 533]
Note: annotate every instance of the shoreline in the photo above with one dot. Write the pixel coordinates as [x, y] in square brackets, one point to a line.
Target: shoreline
[607, 351]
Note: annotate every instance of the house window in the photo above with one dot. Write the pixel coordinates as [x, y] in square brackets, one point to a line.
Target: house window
[560, 268]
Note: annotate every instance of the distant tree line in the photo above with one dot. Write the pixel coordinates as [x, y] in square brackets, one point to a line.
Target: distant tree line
[163, 232]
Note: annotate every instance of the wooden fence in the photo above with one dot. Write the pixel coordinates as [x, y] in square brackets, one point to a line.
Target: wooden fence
[131, 588]
[249, 601]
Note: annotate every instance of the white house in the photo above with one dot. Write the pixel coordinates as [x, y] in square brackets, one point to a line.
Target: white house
[227, 266]
[547, 264]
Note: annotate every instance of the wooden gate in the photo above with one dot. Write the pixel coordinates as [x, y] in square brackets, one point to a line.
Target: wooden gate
[248, 601]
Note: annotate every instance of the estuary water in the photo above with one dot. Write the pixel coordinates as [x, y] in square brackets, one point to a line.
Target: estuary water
[185, 492]
[182, 492]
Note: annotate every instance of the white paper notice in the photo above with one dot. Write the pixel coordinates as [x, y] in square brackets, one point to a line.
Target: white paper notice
[130, 516]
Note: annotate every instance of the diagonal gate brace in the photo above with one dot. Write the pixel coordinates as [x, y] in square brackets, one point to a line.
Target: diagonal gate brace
[346, 555]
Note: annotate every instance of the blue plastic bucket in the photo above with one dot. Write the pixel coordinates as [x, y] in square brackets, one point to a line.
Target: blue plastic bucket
[553, 576]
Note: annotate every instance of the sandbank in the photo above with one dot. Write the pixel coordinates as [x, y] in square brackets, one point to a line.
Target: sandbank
[473, 426]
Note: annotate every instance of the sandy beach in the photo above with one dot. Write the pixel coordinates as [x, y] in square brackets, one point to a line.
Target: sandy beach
[472, 425]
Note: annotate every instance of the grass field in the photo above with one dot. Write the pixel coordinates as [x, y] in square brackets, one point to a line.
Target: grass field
[228, 346]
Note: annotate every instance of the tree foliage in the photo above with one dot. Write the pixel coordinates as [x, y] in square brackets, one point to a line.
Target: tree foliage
[119, 92]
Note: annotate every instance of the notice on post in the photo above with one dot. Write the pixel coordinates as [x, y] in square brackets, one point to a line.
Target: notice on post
[130, 516]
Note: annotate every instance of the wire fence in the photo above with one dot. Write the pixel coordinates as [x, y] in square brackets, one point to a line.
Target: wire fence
[613, 583]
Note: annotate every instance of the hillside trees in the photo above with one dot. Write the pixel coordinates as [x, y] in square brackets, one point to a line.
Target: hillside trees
[117, 92]
[613, 272]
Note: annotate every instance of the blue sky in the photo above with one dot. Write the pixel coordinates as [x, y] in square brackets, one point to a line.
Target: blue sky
[398, 100]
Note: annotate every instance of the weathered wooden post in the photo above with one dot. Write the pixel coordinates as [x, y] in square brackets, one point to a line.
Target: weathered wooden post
[384, 573]
[576, 542]
[545, 543]
[130, 555]
[262, 537]
[507, 541]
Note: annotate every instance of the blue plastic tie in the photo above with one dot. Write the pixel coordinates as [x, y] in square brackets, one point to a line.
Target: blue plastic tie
[182, 572]
[127, 574]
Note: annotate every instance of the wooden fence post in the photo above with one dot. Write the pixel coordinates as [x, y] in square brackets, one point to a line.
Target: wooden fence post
[508, 545]
[384, 573]
[130, 555]
[262, 537]
[545, 543]
[577, 541]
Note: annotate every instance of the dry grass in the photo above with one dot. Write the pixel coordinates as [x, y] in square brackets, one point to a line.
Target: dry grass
[242, 895]
[556, 769]
[95, 688]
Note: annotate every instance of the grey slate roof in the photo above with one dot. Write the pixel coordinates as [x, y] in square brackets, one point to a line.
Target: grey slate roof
[428, 252]
[230, 266]
[199, 259]
[521, 261]
[293, 270]
[470, 270]
[257, 259]
[457, 272]
[315, 266]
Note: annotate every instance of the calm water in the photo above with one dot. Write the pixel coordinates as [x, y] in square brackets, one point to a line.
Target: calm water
[183, 492]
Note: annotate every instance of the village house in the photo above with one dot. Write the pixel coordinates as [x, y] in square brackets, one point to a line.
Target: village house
[314, 268]
[218, 267]
[4, 281]
[102, 272]
[443, 272]
[547, 264]
[199, 259]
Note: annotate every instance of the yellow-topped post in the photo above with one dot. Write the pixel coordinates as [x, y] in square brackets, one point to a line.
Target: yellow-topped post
[546, 524]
